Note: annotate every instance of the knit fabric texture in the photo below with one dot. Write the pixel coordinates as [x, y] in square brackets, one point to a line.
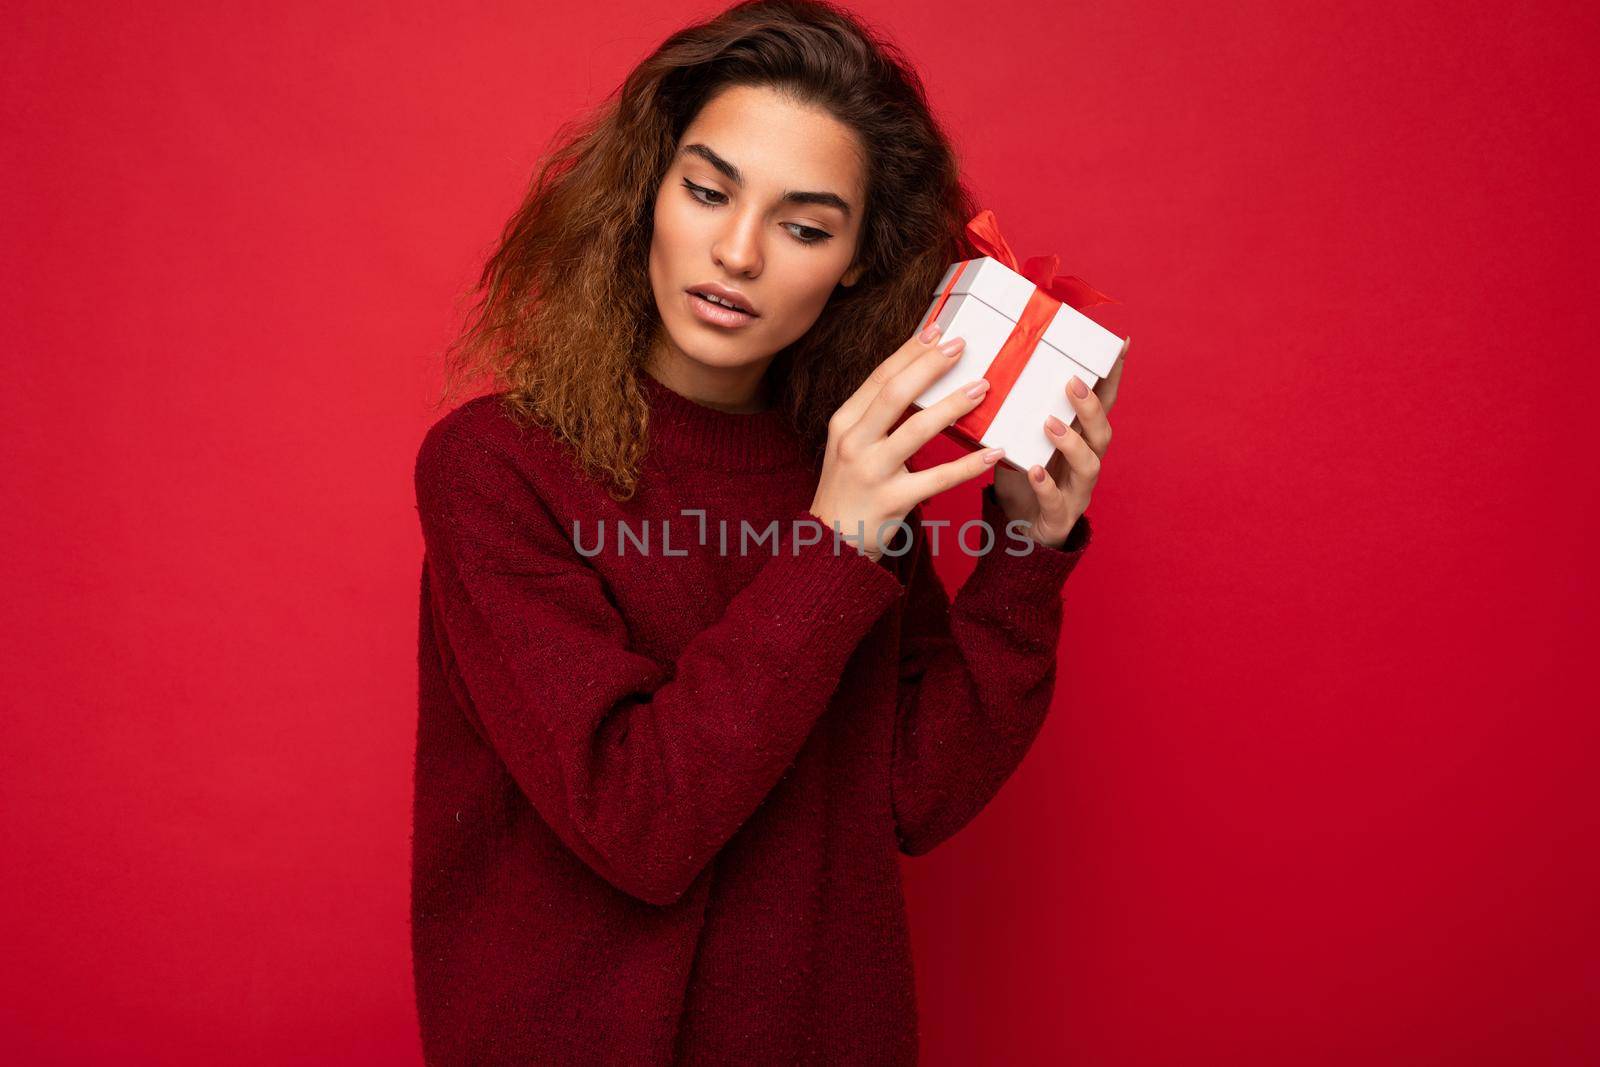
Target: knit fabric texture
[663, 779]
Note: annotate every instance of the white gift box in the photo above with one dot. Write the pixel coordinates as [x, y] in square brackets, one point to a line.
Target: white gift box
[983, 307]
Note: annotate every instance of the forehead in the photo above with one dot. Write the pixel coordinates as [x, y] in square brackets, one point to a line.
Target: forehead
[777, 141]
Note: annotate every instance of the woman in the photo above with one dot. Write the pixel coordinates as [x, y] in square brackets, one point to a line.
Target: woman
[662, 779]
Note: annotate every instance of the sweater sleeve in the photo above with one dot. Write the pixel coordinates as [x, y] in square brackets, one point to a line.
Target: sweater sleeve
[976, 677]
[644, 769]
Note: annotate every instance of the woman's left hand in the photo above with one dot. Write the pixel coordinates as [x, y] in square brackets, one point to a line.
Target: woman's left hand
[1052, 497]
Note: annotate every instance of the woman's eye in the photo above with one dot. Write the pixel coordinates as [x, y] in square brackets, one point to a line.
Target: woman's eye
[806, 235]
[811, 236]
[696, 190]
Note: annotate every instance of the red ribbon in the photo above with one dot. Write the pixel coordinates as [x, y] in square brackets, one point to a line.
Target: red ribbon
[1070, 290]
[1051, 291]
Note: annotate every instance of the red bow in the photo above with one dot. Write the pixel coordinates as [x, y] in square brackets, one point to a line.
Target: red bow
[984, 232]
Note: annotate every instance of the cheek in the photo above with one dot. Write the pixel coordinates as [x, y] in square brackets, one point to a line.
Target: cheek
[666, 233]
[677, 223]
[660, 237]
[809, 279]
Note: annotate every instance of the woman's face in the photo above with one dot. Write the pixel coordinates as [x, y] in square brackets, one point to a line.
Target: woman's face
[764, 199]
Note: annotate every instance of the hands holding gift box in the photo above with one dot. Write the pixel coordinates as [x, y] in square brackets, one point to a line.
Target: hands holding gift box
[1029, 340]
[1017, 341]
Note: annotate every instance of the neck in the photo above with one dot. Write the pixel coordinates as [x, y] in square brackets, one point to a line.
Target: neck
[739, 390]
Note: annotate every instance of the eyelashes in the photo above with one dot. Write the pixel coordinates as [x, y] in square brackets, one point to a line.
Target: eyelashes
[818, 235]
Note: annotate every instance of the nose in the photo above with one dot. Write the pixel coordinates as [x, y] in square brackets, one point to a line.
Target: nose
[738, 247]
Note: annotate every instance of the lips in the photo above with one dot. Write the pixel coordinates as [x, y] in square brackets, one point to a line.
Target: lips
[715, 315]
[721, 292]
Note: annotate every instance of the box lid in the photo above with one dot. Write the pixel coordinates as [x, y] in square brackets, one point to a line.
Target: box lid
[991, 281]
[1071, 332]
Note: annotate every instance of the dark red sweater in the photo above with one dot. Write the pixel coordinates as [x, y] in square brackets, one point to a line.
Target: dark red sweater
[659, 798]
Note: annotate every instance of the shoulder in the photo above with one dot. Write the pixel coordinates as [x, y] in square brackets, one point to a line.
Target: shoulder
[479, 423]
[480, 434]
[481, 464]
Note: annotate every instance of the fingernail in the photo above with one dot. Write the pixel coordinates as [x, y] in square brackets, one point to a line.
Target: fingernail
[953, 346]
[993, 454]
[1078, 388]
[1037, 474]
[930, 334]
[978, 388]
[1055, 425]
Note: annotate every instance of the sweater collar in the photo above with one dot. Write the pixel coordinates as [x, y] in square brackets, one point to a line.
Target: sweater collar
[700, 436]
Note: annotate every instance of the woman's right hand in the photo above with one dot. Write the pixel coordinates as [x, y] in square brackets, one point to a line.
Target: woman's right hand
[865, 485]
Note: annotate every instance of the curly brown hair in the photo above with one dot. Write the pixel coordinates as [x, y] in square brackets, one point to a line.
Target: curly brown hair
[565, 313]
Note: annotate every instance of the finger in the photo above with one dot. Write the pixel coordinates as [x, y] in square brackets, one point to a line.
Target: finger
[922, 427]
[1091, 417]
[1056, 514]
[1082, 463]
[906, 384]
[1106, 388]
[931, 481]
[1057, 463]
[853, 408]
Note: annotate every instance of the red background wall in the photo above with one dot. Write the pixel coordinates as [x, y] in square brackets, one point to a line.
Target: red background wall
[1319, 787]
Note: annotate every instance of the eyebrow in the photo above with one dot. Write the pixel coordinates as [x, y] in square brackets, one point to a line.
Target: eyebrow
[790, 196]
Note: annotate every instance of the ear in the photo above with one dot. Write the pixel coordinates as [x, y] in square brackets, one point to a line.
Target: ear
[851, 276]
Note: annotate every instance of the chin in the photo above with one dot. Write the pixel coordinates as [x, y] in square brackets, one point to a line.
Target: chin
[692, 341]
